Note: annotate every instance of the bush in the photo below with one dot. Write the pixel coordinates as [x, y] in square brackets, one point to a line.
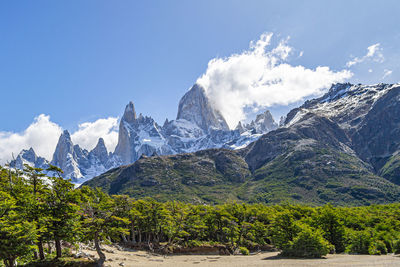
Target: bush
[372, 250]
[359, 243]
[244, 251]
[309, 243]
[381, 247]
[329, 220]
[396, 247]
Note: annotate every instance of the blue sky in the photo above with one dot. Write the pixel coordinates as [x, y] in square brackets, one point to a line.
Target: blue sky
[79, 61]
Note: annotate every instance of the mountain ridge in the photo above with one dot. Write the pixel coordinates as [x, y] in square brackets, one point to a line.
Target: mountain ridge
[198, 126]
[316, 156]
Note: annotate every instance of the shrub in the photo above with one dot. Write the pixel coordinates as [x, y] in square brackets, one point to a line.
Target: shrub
[329, 220]
[283, 229]
[381, 247]
[244, 251]
[309, 243]
[372, 250]
[396, 247]
[359, 242]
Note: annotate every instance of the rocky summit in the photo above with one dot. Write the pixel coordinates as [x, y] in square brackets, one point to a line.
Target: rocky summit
[198, 126]
[342, 148]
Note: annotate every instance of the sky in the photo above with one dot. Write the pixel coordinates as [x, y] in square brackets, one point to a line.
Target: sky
[75, 64]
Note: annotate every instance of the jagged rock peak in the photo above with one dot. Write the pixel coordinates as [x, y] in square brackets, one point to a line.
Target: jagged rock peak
[100, 143]
[100, 148]
[129, 114]
[240, 127]
[266, 121]
[65, 134]
[64, 142]
[30, 153]
[195, 107]
[29, 157]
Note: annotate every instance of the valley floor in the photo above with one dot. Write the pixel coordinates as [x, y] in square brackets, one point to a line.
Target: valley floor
[141, 258]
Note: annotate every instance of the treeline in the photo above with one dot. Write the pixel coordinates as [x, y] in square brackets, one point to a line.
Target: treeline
[37, 210]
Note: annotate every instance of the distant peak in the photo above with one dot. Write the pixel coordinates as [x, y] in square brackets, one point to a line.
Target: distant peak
[100, 148]
[65, 135]
[339, 86]
[65, 132]
[100, 144]
[101, 141]
[130, 113]
[195, 107]
[266, 115]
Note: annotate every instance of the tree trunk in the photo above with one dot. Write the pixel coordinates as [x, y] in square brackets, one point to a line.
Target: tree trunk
[49, 247]
[102, 257]
[10, 262]
[58, 248]
[133, 234]
[40, 247]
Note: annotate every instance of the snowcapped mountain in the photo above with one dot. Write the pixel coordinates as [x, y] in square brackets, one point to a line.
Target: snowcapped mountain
[344, 103]
[198, 126]
[343, 147]
[196, 108]
[79, 164]
[29, 157]
[370, 117]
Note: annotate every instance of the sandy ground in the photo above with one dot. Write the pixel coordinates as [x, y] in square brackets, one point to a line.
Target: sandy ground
[142, 258]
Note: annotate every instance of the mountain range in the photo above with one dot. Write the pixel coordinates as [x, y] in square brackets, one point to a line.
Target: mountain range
[198, 126]
[342, 148]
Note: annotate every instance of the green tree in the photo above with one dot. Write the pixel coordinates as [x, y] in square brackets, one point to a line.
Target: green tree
[16, 235]
[283, 229]
[309, 243]
[328, 219]
[36, 209]
[99, 219]
[62, 209]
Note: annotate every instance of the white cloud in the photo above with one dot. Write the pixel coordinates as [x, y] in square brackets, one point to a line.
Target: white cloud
[386, 73]
[260, 78]
[374, 53]
[42, 135]
[89, 133]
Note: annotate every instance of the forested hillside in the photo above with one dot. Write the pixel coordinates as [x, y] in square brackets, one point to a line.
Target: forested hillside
[39, 215]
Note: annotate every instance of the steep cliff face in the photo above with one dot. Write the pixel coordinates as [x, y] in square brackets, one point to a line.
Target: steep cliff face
[377, 138]
[79, 164]
[124, 149]
[369, 115]
[196, 108]
[65, 157]
[139, 136]
[100, 154]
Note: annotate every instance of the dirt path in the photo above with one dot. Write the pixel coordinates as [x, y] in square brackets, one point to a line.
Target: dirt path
[141, 258]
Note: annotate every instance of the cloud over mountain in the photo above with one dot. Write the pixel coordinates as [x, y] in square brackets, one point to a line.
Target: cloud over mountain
[42, 135]
[89, 132]
[260, 77]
